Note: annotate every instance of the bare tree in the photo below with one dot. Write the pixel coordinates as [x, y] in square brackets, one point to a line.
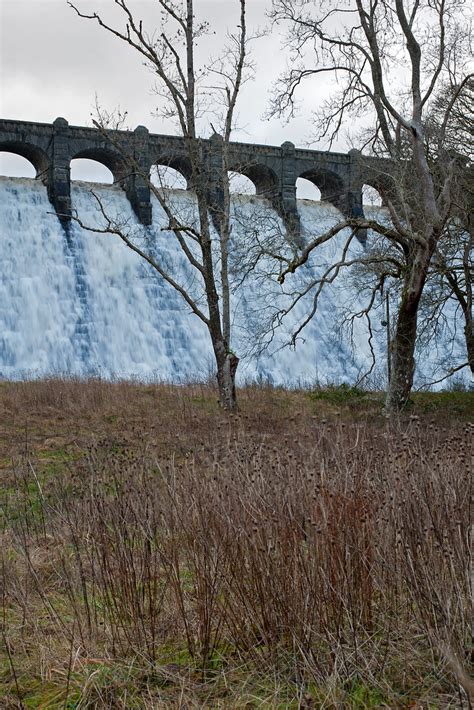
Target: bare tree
[452, 270]
[387, 61]
[450, 281]
[187, 92]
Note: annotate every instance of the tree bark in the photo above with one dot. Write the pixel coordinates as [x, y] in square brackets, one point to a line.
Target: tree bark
[469, 337]
[402, 357]
[227, 364]
[466, 303]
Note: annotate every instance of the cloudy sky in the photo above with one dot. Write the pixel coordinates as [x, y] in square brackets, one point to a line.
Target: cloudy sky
[54, 63]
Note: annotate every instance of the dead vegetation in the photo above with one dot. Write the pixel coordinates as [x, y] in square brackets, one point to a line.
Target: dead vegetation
[298, 553]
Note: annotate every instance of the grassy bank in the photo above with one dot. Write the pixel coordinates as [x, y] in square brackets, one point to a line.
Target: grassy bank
[301, 553]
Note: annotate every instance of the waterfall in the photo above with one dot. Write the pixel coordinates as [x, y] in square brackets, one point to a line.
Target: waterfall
[73, 302]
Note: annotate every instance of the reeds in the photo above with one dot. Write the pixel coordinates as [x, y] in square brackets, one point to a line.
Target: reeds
[335, 556]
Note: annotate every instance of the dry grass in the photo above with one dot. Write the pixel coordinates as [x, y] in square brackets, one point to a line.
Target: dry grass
[301, 553]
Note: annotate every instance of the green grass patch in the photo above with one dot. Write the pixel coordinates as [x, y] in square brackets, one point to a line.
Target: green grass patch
[454, 403]
[339, 394]
[361, 696]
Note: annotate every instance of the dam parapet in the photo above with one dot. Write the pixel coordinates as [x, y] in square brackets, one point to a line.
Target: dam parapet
[131, 155]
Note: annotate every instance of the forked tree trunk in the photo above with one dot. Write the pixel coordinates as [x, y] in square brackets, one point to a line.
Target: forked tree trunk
[226, 371]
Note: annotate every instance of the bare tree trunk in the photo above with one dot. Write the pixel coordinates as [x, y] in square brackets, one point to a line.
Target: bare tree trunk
[402, 348]
[404, 340]
[467, 301]
[227, 364]
[469, 338]
[402, 357]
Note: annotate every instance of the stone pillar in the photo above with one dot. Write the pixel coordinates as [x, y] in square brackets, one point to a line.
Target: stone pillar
[215, 182]
[216, 160]
[59, 172]
[353, 206]
[288, 206]
[136, 186]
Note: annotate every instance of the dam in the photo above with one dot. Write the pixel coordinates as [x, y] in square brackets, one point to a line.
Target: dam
[77, 303]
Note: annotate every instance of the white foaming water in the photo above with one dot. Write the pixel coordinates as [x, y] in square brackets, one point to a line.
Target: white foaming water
[80, 303]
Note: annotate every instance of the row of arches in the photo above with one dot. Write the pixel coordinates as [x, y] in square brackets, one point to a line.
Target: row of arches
[93, 170]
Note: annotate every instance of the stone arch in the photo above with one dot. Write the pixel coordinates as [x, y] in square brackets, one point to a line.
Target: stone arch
[112, 160]
[167, 177]
[240, 184]
[16, 166]
[36, 156]
[375, 181]
[371, 195]
[307, 190]
[263, 177]
[88, 170]
[329, 183]
[178, 163]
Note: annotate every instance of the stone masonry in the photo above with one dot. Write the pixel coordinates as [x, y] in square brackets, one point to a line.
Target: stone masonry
[130, 155]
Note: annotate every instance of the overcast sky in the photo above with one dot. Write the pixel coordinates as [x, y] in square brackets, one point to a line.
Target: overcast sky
[54, 63]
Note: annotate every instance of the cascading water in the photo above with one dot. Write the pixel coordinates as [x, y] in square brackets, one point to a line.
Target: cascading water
[79, 303]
